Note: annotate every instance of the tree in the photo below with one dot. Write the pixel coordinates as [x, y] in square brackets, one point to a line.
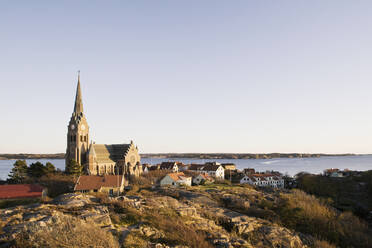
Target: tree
[36, 170]
[74, 168]
[19, 172]
[50, 168]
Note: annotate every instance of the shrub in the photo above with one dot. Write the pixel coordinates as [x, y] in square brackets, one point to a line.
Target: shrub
[57, 184]
[310, 215]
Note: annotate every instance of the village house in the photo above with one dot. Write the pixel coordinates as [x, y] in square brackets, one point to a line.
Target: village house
[176, 179]
[263, 180]
[212, 169]
[196, 167]
[183, 167]
[334, 172]
[145, 168]
[202, 179]
[111, 184]
[22, 191]
[229, 166]
[173, 166]
[249, 171]
[216, 171]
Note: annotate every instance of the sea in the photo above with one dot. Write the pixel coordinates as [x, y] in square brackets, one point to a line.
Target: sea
[290, 166]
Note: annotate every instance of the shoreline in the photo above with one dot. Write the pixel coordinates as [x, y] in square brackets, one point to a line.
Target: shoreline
[192, 155]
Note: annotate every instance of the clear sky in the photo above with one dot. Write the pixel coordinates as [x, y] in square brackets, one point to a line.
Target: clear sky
[189, 76]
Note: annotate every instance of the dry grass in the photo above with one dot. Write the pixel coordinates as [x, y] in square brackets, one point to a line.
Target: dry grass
[166, 220]
[306, 213]
[176, 231]
[322, 244]
[71, 232]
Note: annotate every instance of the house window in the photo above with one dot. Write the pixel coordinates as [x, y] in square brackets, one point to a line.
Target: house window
[96, 190]
[81, 138]
[85, 138]
[111, 192]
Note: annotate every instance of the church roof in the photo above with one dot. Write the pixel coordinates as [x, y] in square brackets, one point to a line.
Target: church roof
[78, 108]
[110, 153]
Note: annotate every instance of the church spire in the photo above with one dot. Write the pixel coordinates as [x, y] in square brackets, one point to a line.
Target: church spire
[78, 100]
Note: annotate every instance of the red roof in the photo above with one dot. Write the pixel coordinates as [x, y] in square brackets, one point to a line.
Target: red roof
[13, 191]
[96, 182]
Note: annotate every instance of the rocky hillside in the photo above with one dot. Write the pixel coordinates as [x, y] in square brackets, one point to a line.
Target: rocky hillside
[203, 216]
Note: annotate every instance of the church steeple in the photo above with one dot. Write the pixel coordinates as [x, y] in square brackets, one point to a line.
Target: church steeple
[78, 100]
[78, 132]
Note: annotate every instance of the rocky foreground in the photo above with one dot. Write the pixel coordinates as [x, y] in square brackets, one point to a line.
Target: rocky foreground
[197, 217]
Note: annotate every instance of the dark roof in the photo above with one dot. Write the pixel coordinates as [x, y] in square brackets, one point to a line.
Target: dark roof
[110, 153]
[96, 182]
[20, 191]
[167, 165]
[196, 166]
[211, 167]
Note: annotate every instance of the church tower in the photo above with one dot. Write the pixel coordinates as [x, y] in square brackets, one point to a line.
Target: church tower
[78, 132]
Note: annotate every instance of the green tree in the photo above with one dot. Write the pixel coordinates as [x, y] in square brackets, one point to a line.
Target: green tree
[36, 170]
[19, 172]
[50, 168]
[74, 168]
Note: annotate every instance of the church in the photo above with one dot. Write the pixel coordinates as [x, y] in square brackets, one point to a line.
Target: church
[98, 159]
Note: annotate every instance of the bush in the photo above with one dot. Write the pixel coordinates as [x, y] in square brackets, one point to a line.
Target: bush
[57, 184]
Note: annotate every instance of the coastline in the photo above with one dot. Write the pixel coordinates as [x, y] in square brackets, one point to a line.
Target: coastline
[190, 155]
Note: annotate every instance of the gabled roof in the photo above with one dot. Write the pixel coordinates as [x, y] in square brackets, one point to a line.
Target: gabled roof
[110, 153]
[206, 177]
[196, 166]
[177, 176]
[211, 167]
[96, 182]
[20, 191]
[167, 165]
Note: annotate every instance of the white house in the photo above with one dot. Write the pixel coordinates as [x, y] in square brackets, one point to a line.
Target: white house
[263, 180]
[173, 166]
[175, 179]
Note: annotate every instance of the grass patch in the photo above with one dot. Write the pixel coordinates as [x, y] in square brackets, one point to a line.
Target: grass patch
[18, 202]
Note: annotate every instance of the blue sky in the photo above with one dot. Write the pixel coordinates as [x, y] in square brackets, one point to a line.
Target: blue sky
[188, 76]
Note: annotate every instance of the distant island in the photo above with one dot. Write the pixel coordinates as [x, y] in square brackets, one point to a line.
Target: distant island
[188, 155]
[32, 156]
[239, 155]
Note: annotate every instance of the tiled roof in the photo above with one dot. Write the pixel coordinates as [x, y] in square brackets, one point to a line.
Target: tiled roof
[20, 191]
[206, 177]
[110, 153]
[96, 182]
[177, 176]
